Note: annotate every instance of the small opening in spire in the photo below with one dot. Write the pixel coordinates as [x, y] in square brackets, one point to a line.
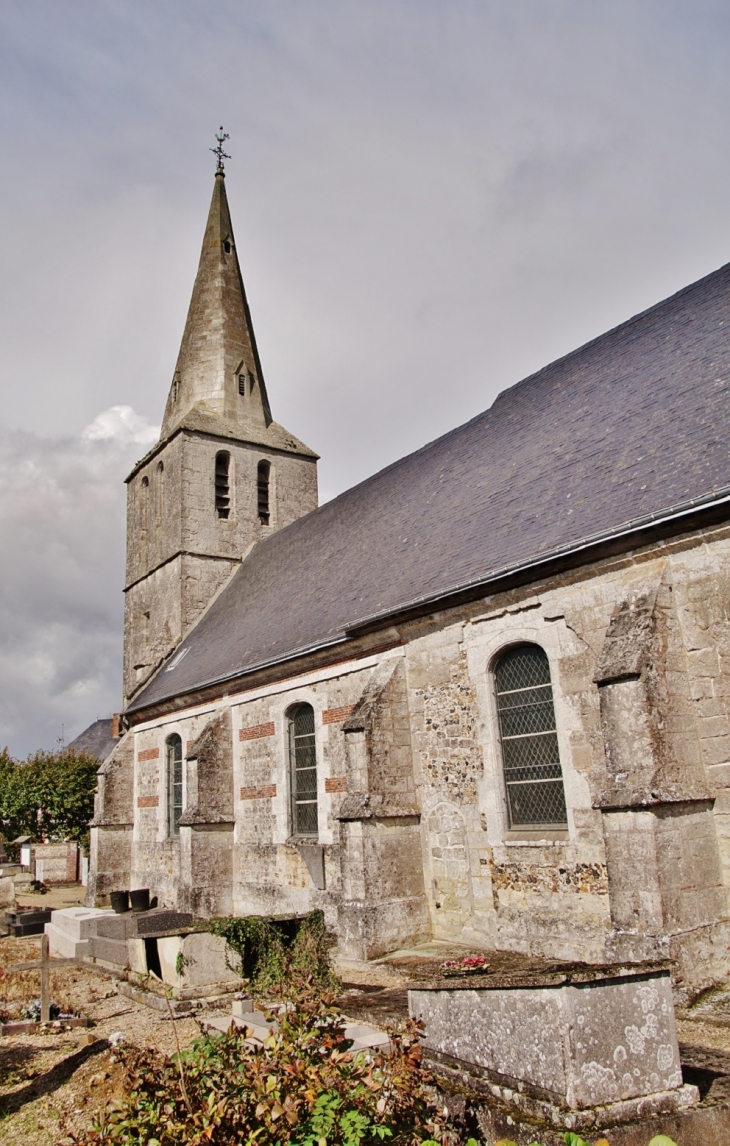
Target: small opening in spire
[222, 488]
[227, 246]
[242, 384]
[176, 386]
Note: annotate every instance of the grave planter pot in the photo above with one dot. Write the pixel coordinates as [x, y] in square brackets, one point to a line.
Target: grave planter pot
[119, 901]
[140, 899]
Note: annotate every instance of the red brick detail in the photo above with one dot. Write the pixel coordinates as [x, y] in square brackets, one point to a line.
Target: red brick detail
[188, 745]
[263, 793]
[337, 715]
[256, 731]
[148, 801]
[335, 784]
[148, 754]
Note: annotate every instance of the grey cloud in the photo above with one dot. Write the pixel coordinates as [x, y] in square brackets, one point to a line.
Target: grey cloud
[431, 200]
[62, 540]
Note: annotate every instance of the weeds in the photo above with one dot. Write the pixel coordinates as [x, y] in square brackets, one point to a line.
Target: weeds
[272, 952]
[302, 1087]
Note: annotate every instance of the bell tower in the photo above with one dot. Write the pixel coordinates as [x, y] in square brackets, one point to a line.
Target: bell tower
[223, 474]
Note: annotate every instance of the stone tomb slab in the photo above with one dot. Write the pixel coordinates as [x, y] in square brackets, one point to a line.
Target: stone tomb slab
[75, 924]
[576, 1045]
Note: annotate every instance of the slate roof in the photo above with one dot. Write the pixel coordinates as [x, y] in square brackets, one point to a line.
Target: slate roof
[97, 740]
[631, 424]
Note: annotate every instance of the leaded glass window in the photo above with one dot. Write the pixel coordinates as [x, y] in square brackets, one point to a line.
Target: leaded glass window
[173, 751]
[532, 773]
[303, 764]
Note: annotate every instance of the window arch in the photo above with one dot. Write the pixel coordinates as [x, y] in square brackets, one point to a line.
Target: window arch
[222, 486]
[530, 757]
[173, 765]
[263, 476]
[303, 771]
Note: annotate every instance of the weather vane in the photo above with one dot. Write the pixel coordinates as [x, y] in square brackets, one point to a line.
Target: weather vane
[218, 151]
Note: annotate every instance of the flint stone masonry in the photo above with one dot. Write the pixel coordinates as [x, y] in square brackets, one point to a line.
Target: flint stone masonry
[576, 1045]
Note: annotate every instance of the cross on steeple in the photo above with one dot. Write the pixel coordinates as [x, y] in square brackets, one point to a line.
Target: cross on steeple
[218, 151]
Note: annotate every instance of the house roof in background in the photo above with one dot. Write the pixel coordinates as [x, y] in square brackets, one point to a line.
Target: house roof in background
[628, 426]
[96, 740]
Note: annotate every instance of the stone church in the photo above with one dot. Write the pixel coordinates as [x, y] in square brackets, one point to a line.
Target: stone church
[483, 696]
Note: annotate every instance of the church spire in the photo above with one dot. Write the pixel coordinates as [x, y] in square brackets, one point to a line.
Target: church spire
[218, 375]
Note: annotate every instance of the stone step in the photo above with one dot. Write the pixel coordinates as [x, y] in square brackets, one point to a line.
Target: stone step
[61, 943]
[77, 922]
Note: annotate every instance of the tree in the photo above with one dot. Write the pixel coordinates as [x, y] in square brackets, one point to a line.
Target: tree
[51, 794]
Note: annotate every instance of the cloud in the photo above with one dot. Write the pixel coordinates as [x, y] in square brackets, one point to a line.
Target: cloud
[121, 424]
[62, 534]
[430, 201]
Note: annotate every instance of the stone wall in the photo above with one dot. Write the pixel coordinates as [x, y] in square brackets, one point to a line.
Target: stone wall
[110, 858]
[180, 552]
[411, 795]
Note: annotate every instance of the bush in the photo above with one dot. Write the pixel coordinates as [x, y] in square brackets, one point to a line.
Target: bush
[303, 1087]
[275, 953]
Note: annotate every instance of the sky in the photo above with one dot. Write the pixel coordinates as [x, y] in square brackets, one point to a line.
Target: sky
[431, 200]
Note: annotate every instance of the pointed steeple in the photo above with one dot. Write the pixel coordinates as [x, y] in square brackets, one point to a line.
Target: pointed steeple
[218, 377]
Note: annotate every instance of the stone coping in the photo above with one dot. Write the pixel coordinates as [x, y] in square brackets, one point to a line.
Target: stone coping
[559, 975]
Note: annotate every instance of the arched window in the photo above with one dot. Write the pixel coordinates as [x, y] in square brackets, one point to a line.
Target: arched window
[303, 767]
[262, 478]
[144, 501]
[173, 761]
[222, 489]
[532, 773]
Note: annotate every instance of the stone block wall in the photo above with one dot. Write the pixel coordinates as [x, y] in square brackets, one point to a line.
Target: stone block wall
[180, 552]
[411, 785]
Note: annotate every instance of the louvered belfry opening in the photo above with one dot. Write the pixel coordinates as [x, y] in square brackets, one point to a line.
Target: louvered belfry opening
[222, 488]
[532, 772]
[303, 765]
[263, 477]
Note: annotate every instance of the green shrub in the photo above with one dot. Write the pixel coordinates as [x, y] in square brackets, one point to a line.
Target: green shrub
[275, 953]
[302, 1087]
